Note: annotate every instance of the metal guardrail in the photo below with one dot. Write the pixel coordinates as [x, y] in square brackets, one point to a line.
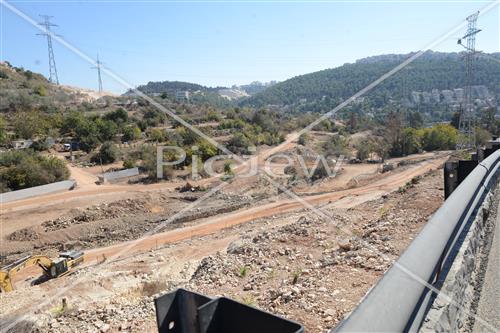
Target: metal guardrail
[398, 302]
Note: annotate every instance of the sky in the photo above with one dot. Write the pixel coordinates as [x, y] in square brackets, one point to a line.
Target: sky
[224, 42]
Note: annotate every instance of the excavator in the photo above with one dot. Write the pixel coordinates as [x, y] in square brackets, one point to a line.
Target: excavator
[52, 268]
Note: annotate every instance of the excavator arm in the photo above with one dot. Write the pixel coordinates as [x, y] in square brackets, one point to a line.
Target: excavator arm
[51, 268]
[7, 273]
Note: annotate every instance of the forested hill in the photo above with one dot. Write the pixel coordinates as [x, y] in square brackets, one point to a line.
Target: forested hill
[174, 86]
[320, 90]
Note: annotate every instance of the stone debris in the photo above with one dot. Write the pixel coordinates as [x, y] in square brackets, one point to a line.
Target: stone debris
[25, 234]
[306, 268]
[99, 212]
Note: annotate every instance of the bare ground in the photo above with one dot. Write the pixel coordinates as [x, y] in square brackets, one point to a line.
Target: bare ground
[285, 260]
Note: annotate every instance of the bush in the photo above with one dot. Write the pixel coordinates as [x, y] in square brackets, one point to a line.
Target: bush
[129, 163]
[24, 168]
[156, 135]
[107, 154]
[440, 137]
[41, 91]
[303, 139]
[117, 116]
[131, 133]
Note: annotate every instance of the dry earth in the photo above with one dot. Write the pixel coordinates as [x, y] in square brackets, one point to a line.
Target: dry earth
[291, 262]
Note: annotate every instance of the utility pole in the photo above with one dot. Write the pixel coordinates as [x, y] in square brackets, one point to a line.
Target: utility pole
[52, 62]
[467, 124]
[98, 67]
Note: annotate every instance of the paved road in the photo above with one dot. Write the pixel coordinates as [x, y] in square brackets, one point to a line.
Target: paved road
[489, 303]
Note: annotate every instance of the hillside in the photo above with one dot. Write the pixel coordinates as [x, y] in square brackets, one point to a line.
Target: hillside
[21, 89]
[199, 94]
[320, 91]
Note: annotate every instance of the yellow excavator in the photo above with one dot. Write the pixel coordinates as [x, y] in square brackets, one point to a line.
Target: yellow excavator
[52, 268]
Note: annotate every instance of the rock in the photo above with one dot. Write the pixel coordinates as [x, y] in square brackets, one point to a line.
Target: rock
[345, 245]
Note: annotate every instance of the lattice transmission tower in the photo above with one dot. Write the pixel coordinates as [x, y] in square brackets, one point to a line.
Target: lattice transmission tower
[467, 123]
[98, 67]
[52, 61]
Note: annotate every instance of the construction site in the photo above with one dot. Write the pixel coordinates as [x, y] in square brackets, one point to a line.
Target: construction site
[361, 197]
[247, 241]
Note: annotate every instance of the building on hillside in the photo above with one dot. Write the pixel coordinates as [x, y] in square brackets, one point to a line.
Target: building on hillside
[182, 95]
[21, 144]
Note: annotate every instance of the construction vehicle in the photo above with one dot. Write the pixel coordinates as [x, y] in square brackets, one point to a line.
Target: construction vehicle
[52, 268]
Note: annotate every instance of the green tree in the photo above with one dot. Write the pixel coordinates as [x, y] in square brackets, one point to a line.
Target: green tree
[303, 138]
[156, 135]
[482, 136]
[41, 91]
[412, 141]
[455, 120]
[131, 133]
[363, 151]
[188, 137]
[415, 119]
[228, 169]
[24, 168]
[3, 130]
[206, 150]
[107, 129]
[118, 116]
[439, 137]
[108, 153]
[29, 124]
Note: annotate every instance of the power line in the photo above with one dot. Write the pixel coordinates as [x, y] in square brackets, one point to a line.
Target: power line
[98, 67]
[52, 61]
[467, 123]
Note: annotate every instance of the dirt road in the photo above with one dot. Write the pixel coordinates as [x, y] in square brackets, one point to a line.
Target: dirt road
[213, 224]
[87, 188]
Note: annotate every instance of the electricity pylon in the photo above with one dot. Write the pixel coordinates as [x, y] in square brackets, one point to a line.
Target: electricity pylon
[52, 61]
[98, 67]
[467, 123]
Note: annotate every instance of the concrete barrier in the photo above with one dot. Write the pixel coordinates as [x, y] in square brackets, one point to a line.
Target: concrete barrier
[64, 185]
[118, 175]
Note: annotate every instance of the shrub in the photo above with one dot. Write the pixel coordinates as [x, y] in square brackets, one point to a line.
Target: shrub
[129, 163]
[108, 153]
[24, 168]
[131, 133]
[156, 135]
[41, 91]
[303, 139]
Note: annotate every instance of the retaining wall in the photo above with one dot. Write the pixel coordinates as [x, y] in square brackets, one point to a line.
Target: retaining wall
[64, 185]
[117, 175]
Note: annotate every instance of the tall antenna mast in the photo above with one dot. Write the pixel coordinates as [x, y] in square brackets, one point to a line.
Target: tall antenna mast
[98, 67]
[52, 61]
[467, 123]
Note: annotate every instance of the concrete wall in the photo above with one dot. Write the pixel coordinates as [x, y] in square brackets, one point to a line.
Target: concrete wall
[37, 190]
[117, 175]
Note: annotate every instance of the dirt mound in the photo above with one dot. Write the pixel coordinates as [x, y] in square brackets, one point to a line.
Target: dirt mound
[23, 235]
[190, 188]
[112, 210]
